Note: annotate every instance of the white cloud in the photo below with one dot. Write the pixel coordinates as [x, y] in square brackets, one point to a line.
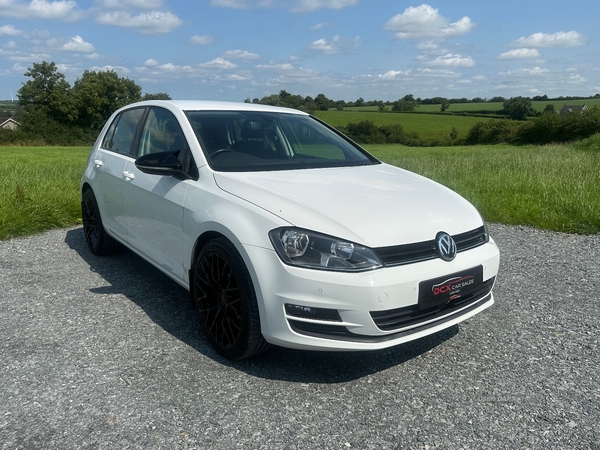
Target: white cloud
[66, 10]
[322, 26]
[288, 72]
[77, 44]
[520, 53]
[335, 45]
[428, 46]
[301, 6]
[576, 78]
[391, 75]
[121, 70]
[9, 30]
[135, 4]
[283, 67]
[315, 5]
[559, 39]
[202, 40]
[412, 75]
[218, 63]
[237, 4]
[451, 60]
[29, 57]
[155, 22]
[150, 63]
[241, 54]
[533, 71]
[425, 22]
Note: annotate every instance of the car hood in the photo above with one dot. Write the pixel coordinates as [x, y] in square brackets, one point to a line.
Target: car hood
[377, 206]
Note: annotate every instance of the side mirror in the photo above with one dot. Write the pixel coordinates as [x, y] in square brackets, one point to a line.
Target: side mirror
[162, 163]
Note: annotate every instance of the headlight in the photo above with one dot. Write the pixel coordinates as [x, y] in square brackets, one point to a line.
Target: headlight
[312, 250]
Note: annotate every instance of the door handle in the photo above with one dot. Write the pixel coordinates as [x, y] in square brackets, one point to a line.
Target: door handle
[128, 175]
[98, 163]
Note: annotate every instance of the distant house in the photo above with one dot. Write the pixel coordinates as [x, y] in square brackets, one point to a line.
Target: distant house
[573, 109]
[6, 123]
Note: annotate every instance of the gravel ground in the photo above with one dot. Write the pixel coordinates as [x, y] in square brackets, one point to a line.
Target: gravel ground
[105, 353]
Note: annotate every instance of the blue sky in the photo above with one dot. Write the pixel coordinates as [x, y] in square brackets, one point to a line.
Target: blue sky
[345, 49]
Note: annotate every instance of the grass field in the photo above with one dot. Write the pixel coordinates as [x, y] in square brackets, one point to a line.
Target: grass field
[427, 126]
[550, 187]
[39, 188]
[485, 106]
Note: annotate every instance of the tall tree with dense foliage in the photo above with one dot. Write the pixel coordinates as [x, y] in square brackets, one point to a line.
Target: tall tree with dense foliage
[47, 93]
[518, 108]
[99, 94]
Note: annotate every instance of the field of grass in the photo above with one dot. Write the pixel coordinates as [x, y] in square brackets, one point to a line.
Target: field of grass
[485, 106]
[39, 188]
[551, 187]
[427, 126]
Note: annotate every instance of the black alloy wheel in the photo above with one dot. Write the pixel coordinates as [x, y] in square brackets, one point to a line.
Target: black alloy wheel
[98, 241]
[225, 298]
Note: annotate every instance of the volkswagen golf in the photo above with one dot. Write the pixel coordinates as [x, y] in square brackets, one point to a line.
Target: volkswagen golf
[284, 231]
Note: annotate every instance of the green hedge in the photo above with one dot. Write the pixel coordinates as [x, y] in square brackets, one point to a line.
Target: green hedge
[549, 128]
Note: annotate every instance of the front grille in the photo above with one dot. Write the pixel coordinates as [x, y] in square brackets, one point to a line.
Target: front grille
[398, 255]
[395, 319]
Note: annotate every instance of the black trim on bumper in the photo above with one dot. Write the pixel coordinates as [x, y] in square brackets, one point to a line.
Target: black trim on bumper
[395, 319]
[341, 333]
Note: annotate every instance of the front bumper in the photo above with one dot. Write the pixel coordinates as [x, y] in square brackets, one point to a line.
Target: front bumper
[375, 309]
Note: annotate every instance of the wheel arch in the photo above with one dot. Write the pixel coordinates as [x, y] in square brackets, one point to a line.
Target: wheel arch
[199, 244]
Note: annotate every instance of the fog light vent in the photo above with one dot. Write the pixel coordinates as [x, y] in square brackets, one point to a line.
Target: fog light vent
[309, 312]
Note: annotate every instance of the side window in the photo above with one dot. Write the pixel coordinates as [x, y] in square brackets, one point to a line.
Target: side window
[122, 131]
[161, 133]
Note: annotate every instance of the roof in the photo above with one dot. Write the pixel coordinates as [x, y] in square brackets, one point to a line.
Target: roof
[573, 108]
[4, 120]
[208, 105]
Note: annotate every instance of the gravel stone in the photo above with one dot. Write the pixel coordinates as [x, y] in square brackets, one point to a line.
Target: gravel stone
[105, 353]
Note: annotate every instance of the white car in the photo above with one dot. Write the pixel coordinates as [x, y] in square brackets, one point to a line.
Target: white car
[283, 230]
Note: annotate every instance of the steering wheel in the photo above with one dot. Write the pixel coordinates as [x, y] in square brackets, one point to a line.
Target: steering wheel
[221, 151]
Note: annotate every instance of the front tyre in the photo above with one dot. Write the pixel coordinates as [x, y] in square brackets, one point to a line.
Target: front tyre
[98, 241]
[225, 298]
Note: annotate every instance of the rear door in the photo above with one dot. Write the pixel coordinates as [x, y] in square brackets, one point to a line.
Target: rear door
[112, 157]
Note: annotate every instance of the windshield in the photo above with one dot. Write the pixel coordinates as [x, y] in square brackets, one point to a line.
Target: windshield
[243, 141]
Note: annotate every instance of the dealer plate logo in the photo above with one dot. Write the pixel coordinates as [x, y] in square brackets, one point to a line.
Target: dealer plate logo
[446, 247]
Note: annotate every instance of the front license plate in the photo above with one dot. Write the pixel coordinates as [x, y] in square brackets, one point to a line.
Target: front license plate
[448, 288]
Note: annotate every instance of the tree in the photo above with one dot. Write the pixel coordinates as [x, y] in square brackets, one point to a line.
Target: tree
[323, 103]
[165, 96]
[99, 94]
[518, 108]
[445, 104]
[404, 105]
[550, 108]
[47, 94]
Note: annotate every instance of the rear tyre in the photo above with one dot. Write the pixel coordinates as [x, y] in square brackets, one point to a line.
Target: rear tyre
[226, 301]
[98, 241]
